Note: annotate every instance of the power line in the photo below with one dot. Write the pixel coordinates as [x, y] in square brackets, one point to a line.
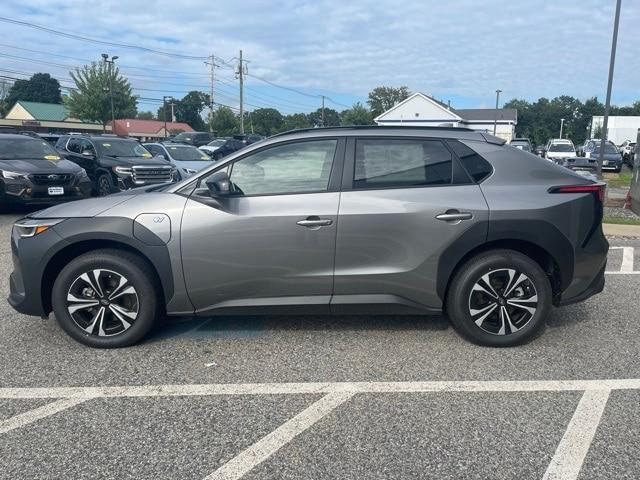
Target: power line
[96, 41]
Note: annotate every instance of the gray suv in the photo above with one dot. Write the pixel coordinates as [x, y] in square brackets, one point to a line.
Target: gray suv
[336, 220]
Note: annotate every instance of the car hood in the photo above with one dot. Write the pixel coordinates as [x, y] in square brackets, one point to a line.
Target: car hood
[142, 161]
[89, 207]
[39, 166]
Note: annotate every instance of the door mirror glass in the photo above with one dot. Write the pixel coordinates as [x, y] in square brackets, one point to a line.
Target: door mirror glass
[219, 184]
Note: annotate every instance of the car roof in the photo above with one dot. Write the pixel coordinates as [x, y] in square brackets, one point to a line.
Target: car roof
[15, 136]
[392, 131]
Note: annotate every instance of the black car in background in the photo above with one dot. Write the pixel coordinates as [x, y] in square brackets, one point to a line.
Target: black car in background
[228, 147]
[32, 172]
[611, 159]
[197, 139]
[115, 163]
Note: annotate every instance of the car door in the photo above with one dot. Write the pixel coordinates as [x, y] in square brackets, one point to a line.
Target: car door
[405, 203]
[273, 242]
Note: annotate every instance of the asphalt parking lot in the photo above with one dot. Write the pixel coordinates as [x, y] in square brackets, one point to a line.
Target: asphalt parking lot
[328, 397]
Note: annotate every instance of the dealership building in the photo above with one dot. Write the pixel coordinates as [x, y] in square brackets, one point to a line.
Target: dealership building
[46, 118]
[422, 110]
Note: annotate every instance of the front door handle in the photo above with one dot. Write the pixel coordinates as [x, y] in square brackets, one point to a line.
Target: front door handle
[454, 216]
[315, 222]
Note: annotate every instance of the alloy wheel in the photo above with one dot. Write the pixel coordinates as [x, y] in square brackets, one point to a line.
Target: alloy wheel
[104, 188]
[103, 303]
[503, 301]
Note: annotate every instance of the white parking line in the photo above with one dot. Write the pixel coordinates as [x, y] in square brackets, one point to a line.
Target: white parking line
[572, 450]
[271, 443]
[31, 416]
[626, 267]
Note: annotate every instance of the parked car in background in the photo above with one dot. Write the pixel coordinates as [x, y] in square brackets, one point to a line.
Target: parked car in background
[559, 149]
[228, 147]
[213, 145]
[249, 138]
[197, 139]
[186, 158]
[52, 138]
[522, 144]
[115, 163]
[32, 172]
[627, 151]
[612, 158]
[300, 220]
[539, 150]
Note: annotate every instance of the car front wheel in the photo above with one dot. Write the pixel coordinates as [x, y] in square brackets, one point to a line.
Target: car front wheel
[104, 185]
[106, 299]
[499, 298]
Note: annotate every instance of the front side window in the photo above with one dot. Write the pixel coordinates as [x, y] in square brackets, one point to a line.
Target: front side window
[381, 163]
[293, 168]
[74, 145]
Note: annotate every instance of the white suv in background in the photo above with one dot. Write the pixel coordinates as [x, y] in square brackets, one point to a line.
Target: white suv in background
[559, 149]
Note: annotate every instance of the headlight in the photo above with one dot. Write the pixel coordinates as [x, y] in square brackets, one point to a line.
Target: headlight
[31, 227]
[124, 171]
[12, 175]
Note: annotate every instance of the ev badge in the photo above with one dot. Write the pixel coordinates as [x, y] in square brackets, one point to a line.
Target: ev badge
[158, 219]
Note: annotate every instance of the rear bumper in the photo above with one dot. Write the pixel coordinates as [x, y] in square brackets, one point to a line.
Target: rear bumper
[596, 286]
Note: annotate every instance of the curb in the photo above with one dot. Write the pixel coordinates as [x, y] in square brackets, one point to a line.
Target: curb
[614, 230]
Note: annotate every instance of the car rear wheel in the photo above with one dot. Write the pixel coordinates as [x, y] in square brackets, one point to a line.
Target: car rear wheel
[499, 298]
[106, 299]
[104, 185]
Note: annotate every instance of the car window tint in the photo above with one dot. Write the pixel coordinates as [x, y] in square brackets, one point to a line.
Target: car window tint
[474, 164]
[74, 145]
[292, 168]
[395, 163]
[87, 146]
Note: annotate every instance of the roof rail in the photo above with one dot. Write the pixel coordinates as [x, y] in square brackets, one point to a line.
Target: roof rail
[372, 127]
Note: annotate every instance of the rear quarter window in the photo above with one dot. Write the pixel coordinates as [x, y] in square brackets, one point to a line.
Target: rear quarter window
[475, 165]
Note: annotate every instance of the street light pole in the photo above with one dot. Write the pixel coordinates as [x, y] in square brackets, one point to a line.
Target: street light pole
[164, 107]
[607, 104]
[110, 64]
[561, 125]
[495, 119]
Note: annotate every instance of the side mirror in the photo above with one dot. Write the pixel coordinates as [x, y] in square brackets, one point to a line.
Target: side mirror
[219, 184]
[87, 153]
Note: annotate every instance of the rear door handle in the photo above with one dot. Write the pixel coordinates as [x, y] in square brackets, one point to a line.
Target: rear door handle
[314, 221]
[454, 216]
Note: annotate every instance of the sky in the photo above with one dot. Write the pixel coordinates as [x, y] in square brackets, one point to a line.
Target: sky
[455, 50]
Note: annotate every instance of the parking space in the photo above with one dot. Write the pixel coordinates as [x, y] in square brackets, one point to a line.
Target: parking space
[328, 397]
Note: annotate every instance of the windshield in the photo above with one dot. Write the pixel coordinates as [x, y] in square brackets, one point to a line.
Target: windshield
[184, 137]
[561, 147]
[188, 154]
[218, 142]
[26, 148]
[608, 148]
[121, 148]
[522, 146]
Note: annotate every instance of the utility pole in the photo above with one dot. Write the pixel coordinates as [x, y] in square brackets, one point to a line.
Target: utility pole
[241, 73]
[607, 104]
[110, 63]
[322, 110]
[495, 120]
[173, 117]
[211, 64]
[561, 125]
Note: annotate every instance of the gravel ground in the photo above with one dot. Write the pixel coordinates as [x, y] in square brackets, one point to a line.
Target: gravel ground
[619, 213]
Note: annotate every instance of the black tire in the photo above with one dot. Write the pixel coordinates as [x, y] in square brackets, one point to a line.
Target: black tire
[104, 185]
[461, 295]
[138, 274]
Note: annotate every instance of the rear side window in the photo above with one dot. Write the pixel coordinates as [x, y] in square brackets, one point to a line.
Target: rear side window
[382, 163]
[476, 166]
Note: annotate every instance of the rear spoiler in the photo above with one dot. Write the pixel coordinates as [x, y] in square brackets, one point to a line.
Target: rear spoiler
[493, 139]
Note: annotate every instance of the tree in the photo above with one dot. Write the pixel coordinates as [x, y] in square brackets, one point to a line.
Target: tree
[358, 114]
[331, 118]
[91, 99]
[5, 86]
[382, 99]
[266, 121]
[296, 121]
[189, 109]
[145, 116]
[41, 87]
[225, 122]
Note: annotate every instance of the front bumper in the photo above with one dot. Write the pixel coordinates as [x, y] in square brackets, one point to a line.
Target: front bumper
[28, 192]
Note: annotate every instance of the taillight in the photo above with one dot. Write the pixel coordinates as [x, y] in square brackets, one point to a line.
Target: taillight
[595, 188]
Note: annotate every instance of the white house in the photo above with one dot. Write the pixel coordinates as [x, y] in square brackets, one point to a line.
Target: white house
[421, 110]
[619, 128]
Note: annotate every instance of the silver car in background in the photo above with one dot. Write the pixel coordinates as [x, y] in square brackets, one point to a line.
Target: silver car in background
[335, 220]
